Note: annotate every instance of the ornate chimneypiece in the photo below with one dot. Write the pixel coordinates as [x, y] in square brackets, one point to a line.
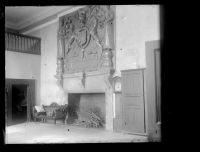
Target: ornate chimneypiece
[86, 57]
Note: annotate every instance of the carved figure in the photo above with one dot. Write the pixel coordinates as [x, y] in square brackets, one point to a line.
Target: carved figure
[69, 27]
[94, 33]
[82, 17]
[108, 13]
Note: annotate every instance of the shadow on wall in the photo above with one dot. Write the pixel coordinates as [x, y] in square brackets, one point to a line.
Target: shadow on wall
[73, 107]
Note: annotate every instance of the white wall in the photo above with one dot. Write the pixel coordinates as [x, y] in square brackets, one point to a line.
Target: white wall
[23, 66]
[49, 89]
[134, 26]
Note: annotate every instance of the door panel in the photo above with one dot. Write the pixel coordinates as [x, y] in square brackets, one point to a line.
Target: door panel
[134, 119]
[7, 116]
[136, 101]
[8, 104]
[29, 104]
[133, 101]
[132, 83]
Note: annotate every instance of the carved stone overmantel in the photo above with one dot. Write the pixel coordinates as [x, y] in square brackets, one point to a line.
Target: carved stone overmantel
[84, 40]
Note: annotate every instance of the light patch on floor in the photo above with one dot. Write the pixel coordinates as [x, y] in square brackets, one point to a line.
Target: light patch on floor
[14, 130]
[36, 132]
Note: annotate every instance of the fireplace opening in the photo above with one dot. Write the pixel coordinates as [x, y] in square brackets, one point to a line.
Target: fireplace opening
[86, 110]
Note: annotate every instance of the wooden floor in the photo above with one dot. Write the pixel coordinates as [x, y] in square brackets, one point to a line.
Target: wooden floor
[36, 132]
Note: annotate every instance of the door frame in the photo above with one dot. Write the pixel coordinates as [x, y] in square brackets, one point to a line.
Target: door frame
[149, 46]
[31, 99]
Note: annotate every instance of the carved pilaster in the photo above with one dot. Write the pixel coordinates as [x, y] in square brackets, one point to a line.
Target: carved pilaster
[107, 58]
[59, 71]
[107, 50]
[109, 79]
[60, 52]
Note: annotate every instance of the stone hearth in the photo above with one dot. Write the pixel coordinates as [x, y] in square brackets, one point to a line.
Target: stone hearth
[80, 104]
[96, 85]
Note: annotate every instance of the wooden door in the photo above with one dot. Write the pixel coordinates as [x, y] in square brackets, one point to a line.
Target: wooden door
[153, 84]
[133, 101]
[158, 85]
[7, 118]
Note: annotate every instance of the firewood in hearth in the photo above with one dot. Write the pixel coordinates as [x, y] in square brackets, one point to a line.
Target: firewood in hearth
[82, 123]
[93, 115]
[97, 120]
[89, 119]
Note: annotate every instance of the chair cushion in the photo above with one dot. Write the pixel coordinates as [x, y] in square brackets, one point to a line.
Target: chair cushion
[39, 109]
[50, 113]
[41, 113]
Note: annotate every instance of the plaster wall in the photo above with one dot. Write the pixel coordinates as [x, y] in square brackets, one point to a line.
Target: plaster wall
[49, 90]
[135, 24]
[23, 66]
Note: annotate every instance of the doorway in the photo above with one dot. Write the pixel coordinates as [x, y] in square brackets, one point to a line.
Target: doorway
[19, 103]
[20, 98]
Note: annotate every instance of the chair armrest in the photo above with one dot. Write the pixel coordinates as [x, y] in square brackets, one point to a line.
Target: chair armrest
[34, 111]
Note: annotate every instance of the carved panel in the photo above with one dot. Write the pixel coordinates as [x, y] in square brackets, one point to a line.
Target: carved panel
[85, 39]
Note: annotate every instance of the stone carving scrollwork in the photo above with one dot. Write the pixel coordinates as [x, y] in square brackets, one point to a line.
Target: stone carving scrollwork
[59, 71]
[84, 40]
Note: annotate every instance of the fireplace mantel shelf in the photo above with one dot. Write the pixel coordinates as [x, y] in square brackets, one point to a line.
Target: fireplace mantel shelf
[80, 74]
[85, 91]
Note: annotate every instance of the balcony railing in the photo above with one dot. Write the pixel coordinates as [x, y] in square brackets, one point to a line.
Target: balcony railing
[22, 43]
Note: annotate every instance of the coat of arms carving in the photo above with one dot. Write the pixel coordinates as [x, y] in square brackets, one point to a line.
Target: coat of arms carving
[84, 39]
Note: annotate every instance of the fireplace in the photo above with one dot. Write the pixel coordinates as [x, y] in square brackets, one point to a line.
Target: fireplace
[86, 109]
[86, 59]
[97, 91]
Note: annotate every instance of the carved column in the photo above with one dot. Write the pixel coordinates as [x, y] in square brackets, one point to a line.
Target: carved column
[60, 53]
[59, 71]
[107, 58]
[107, 50]
[60, 58]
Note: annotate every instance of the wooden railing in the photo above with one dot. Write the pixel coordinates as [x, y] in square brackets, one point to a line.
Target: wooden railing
[22, 43]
